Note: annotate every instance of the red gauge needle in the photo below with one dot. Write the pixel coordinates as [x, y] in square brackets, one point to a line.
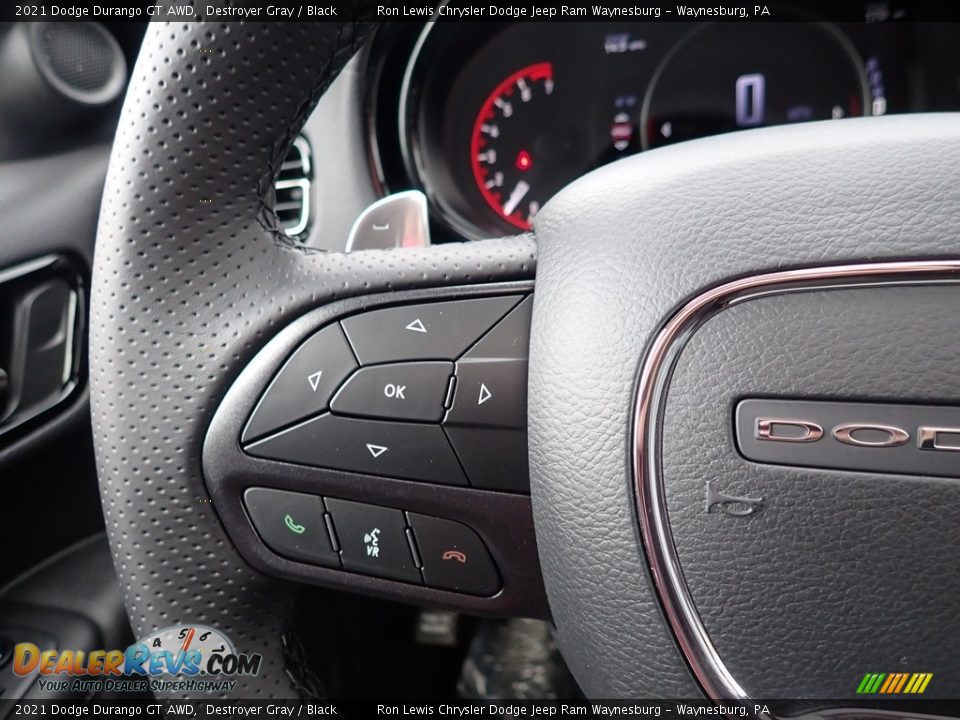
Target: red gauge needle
[183, 648]
[188, 639]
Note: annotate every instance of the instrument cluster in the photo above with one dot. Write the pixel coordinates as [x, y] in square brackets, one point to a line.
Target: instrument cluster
[492, 119]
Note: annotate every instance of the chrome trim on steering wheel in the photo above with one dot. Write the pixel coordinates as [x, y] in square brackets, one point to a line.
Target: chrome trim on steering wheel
[655, 375]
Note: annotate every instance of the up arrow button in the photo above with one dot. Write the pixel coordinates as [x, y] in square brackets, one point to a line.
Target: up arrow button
[429, 331]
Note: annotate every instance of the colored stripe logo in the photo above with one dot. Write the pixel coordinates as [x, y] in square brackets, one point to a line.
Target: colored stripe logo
[894, 683]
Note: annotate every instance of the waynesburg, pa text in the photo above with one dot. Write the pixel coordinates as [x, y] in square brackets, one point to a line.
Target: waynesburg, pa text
[552, 709]
[462, 12]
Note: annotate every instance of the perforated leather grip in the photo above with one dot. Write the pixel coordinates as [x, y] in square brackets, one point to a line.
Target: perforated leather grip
[192, 276]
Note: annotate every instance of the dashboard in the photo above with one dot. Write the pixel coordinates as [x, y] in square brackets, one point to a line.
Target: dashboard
[490, 120]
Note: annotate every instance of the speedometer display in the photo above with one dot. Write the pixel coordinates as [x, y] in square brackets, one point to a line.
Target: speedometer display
[722, 78]
[530, 107]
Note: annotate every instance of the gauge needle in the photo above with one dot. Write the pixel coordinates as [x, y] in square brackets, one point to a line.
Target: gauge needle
[183, 648]
[187, 640]
[186, 644]
[519, 192]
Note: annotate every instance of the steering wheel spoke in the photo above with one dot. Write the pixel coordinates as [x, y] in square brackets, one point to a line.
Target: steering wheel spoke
[378, 444]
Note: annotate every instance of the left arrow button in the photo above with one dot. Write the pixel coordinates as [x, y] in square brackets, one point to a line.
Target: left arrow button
[305, 383]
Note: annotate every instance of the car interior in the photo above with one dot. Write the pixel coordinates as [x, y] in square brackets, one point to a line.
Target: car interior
[481, 359]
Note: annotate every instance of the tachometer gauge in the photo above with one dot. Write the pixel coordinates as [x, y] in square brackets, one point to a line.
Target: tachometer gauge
[728, 76]
[519, 152]
[181, 639]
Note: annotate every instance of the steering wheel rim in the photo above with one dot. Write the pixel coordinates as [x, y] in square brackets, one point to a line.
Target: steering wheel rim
[193, 275]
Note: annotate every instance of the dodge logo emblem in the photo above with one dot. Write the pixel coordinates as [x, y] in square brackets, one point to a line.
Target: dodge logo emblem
[902, 439]
[858, 434]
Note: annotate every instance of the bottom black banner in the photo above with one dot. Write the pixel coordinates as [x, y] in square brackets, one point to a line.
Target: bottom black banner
[867, 709]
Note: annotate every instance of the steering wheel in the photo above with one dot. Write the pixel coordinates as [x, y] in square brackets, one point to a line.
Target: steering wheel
[742, 395]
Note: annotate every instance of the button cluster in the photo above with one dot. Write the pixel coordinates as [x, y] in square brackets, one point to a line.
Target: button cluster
[434, 392]
[373, 540]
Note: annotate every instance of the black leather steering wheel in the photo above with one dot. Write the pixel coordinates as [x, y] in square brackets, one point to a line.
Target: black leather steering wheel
[813, 263]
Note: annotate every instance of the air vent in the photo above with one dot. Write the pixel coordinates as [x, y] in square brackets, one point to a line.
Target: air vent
[293, 190]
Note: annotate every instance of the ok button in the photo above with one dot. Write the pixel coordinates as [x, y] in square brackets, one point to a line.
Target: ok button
[392, 390]
[412, 391]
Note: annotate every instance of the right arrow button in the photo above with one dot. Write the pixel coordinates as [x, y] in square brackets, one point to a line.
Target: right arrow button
[490, 393]
[492, 376]
[485, 394]
[487, 423]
